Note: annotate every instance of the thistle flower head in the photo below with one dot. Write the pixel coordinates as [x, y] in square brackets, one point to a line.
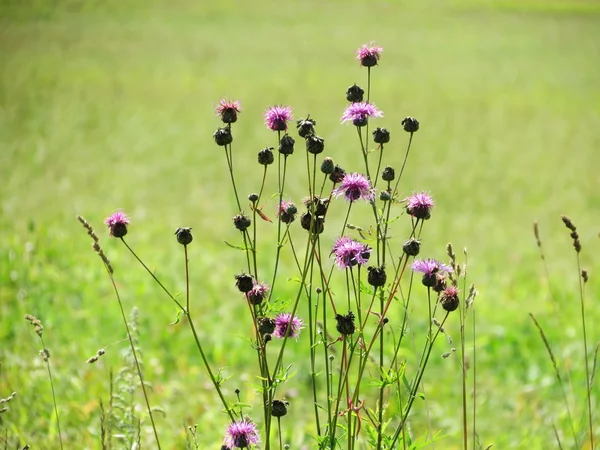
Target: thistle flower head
[286, 212]
[242, 434]
[355, 186]
[419, 205]
[449, 298]
[430, 266]
[349, 252]
[358, 113]
[258, 293]
[283, 322]
[277, 117]
[368, 55]
[228, 110]
[117, 224]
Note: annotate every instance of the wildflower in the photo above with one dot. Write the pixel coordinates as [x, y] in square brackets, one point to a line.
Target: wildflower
[388, 174]
[228, 110]
[381, 136]
[430, 268]
[349, 252]
[327, 166]
[258, 293]
[244, 282]
[287, 212]
[338, 174]
[355, 186]
[265, 156]
[223, 136]
[283, 322]
[419, 205]
[377, 276]
[279, 408]
[242, 434]
[355, 93]
[277, 117]
[314, 144]
[449, 298]
[410, 124]
[241, 222]
[345, 324]
[184, 235]
[117, 224]
[359, 113]
[368, 56]
[286, 145]
[412, 247]
[306, 127]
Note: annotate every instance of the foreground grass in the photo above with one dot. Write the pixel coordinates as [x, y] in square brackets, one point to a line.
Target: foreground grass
[111, 107]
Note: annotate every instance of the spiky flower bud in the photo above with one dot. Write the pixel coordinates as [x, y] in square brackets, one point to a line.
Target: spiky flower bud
[377, 276]
[279, 408]
[412, 247]
[381, 136]
[410, 124]
[337, 175]
[286, 146]
[253, 198]
[355, 94]
[385, 196]
[318, 225]
[244, 282]
[306, 127]
[449, 299]
[266, 325]
[327, 166]
[184, 235]
[388, 174]
[345, 324]
[265, 156]
[314, 144]
[223, 136]
[241, 222]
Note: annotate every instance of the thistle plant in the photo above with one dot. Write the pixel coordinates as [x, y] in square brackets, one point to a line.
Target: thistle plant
[360, 297]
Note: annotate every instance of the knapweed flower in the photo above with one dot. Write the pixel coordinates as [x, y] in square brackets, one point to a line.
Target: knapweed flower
[431, 269]
[359, 113]
[419, 205]
[228, 110]
[355, 186]
[349, 252]
[117, 224]
[449, 298]
[283, 322]
[287, 212]
[277, 117]
[258, 293]
[368, 55]
[242, 434]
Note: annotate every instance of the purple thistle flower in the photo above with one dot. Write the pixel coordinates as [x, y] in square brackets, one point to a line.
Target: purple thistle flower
[282, 321]
[277, 117]
[258, 293]
[360, 112]
[228, 110]
[286, 212]
[430, 267]
[419, 205]
[349, 252]
[117, 224]
[242, 434]
[368, 55]
[355, 186]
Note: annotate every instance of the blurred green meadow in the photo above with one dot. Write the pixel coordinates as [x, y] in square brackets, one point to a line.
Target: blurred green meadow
[108, 105]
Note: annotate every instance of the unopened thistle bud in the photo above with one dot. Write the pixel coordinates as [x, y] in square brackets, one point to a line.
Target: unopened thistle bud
[327, 166]
[337, 175]
[223, 136]
[184, 235]
[345, 324]
[385, 196]
[244, 282]
[241, 222]
[377, 276]
[306, 127]
[412, 247]
[449, 299]
[265, 156]
[266, 325]
[286, 146]
[253, 198]
[388, 174]
[381, 136]
[278, 408]
[410, 124]
[314, 144]
[355, 94]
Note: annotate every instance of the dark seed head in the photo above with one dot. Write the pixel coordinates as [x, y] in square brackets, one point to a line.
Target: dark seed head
[253, 198]
[278, 408]
[381, 136]
[337, 175]
[355, 93]
[314, 144]
[266, 325]
[388, 174]
[410, 124]
[265, 156]
[286, 146]
[412, 247]
[223, 136]
[184, 235]
[377, 276]
[244, 282]
[345, 324]
[306, 127]
[385, 196]
[327, 166]
[241, 222]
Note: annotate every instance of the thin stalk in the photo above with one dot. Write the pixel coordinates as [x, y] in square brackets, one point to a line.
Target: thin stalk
[229, 155]
[53, 393]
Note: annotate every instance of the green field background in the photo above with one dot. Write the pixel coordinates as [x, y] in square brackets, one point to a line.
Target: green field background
[108, 105]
